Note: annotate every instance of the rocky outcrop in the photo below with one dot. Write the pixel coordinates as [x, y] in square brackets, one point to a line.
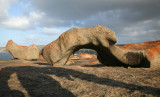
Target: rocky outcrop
[22, 52]
[141, 46]
[152, 48]
[99, 38]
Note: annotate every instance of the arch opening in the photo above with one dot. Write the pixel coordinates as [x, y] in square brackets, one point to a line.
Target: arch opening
[103, 54]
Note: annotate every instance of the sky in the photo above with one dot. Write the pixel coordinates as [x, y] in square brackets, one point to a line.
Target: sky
[40, 22]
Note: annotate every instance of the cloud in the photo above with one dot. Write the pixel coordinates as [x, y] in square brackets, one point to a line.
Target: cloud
[52, 31]
[20, 23]
[36, 16]
[140, 15]
[23, 18]
[27, 22]
[132, 20]
[4, 6]
[139, 36]
[13, 22]
[81, 9]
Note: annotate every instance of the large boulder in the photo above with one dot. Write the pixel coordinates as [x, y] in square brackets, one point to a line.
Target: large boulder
[99, 38]
[22, 52]
[142, 45]
[152, 49]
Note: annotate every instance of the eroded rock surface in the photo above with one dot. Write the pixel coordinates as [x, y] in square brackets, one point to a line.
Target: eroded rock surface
[152, 48]
[99, 38]
[22, 52]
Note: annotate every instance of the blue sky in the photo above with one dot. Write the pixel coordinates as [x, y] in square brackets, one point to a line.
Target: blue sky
[40, 22]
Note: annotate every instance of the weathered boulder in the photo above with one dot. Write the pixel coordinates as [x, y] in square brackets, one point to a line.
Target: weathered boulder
[22, 52]
[142, 45]
[99, 38]
[152, 48]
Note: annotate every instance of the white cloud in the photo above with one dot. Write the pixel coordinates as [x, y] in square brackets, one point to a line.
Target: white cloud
[23, 22]
[18, 23]
[4, 6]
[51, 30]
[36, 15]
[27, 20]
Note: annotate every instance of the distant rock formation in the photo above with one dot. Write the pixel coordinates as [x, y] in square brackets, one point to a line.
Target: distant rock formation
[2, 49]
[98, 38]
[152, 48]
[22, 52]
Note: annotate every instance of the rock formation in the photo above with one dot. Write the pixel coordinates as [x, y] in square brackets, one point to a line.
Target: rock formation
[141, 46]
[99, 38]
[152, 48]
[22, 52]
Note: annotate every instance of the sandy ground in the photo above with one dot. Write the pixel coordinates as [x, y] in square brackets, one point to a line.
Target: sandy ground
[19, 78]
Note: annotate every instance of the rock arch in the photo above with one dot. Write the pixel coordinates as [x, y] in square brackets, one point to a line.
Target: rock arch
[99, 38]
[22, 52]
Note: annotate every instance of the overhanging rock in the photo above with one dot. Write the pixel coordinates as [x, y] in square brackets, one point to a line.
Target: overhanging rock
[99, 38]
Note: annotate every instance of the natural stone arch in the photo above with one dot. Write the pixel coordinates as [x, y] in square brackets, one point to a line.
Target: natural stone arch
[98, 38]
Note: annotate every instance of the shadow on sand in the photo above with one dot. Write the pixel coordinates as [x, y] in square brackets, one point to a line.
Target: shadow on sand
[38, 83]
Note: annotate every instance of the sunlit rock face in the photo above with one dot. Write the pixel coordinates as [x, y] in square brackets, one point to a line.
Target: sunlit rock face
[152, 49]
[99, 38]
[22, 52]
